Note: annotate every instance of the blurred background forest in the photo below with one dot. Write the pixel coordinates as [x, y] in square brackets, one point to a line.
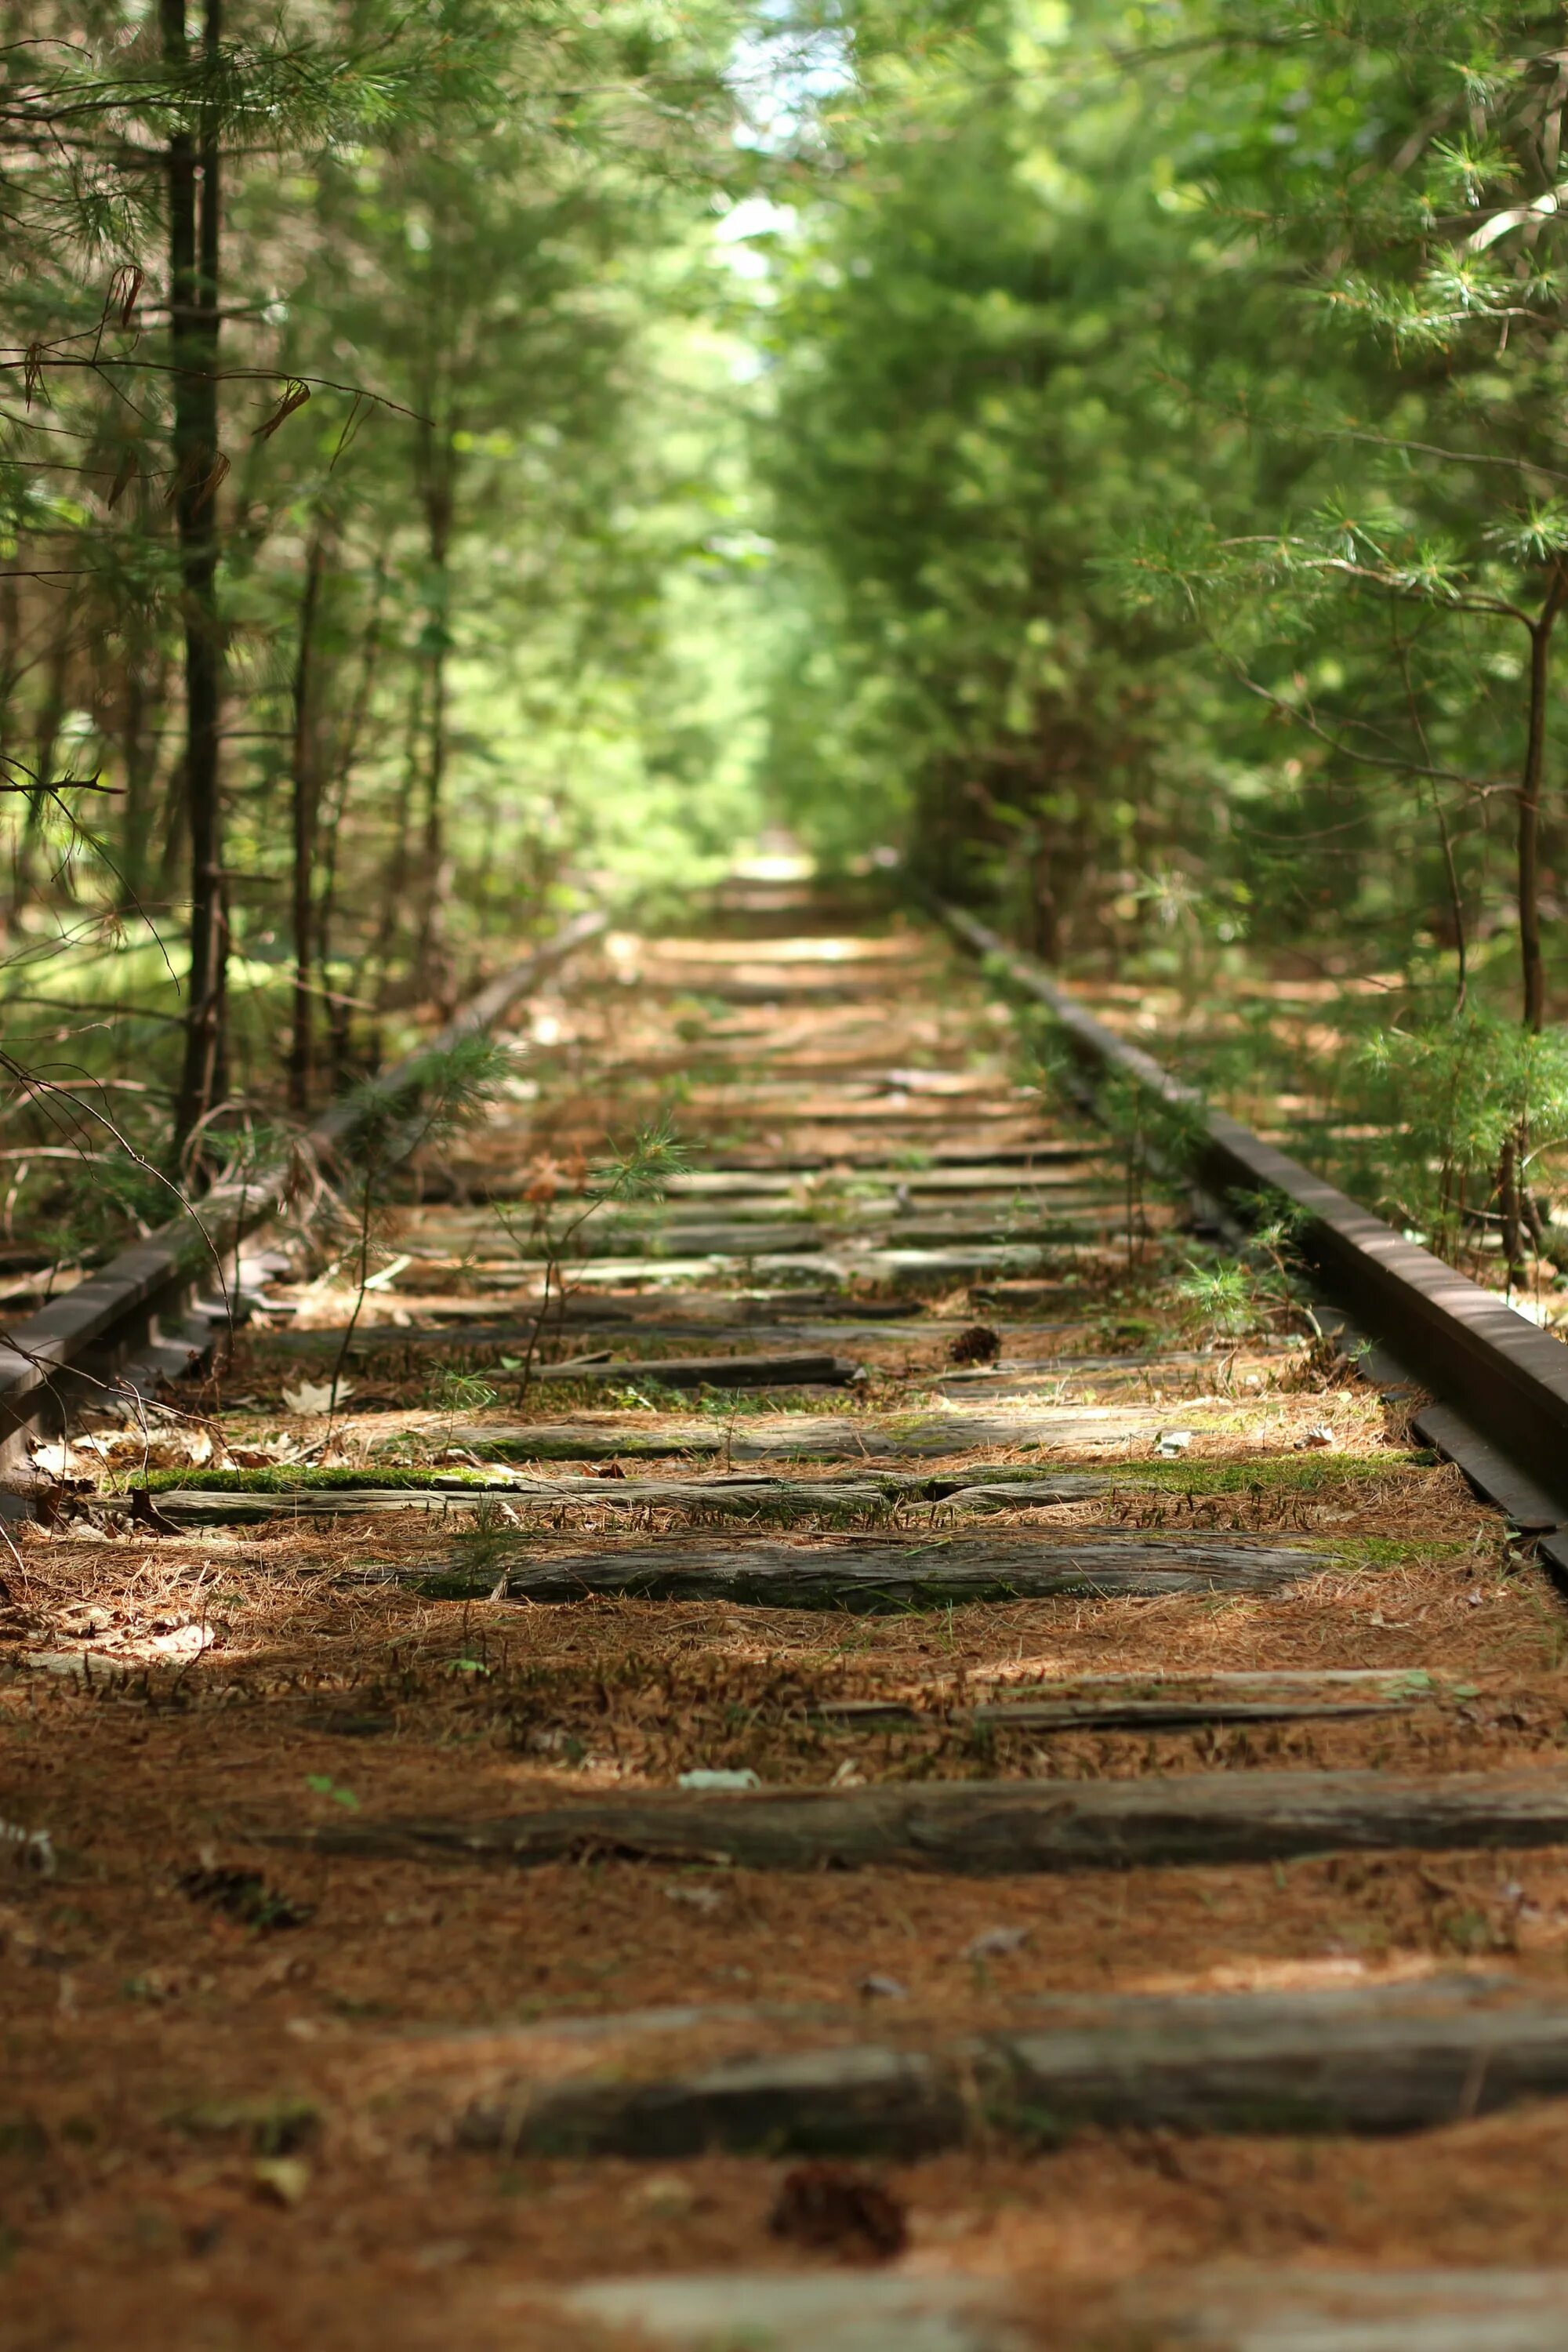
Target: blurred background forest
[462, 457]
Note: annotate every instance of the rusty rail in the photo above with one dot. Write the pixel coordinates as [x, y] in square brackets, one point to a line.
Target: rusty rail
[1500, 1384]
[117, 1311]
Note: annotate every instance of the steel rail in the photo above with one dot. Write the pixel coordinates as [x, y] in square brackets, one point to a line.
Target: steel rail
[1500, 1384]
[102, 1323]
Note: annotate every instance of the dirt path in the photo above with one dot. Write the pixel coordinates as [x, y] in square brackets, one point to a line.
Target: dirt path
[907, 1778]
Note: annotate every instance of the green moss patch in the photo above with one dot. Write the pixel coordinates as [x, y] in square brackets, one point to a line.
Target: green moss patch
[290, 1478]
[1317, 1472]
[549, 1442]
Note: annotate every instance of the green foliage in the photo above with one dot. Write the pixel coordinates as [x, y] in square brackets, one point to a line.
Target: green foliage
[1113, 455]
[1316, 1473]
[1166, 1131]
[388, 1119]
[1166, 454]
[426, 1103]
[638, 1174]
[453, 1391]
[321, 1784]
[1221, 1298]
[643, 1169]
[1254, 1291]
[459, 390]
[1450, 1097]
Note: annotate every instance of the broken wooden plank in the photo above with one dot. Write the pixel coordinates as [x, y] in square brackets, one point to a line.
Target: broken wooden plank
[1220, 1696]
[211, 1504]
[806, 1436]
[788, 985]
[929, 1435]
[1371, 2060]
[1058, 1165]
[852, 2309]
[991, 1828]
[857, 1226]
[1041, 1374]
[783, 1159]
[469, 1180]
[1333, 2310]
[678, 1314]
[607, 1438]
[236, 1506]
[707, 1371]
[493, 1322]
[1105, 1715]
[680, 1238]
[1405, 1681]
[845, 2310]
[872, 1578]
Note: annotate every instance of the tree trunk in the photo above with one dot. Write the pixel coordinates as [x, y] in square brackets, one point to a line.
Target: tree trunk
[45, 741]
[10, 669]
[437, 468]
[194, 253]
[338, 1001]
[143, 696]
[1045, 941]
[1456, 905]
[304, 783]
[1516, 1210]
[373, 971]
[433, 846]
[51, 714]
[1532, 970]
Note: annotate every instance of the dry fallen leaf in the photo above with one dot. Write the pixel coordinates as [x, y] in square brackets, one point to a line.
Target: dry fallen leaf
[994, 1942]
[702, 1898]
[282, 2180]
[315, 1396]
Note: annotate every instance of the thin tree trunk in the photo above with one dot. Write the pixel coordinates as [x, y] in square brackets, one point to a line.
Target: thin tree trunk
[11, 667]
[378, 956]
[193, 256]
[1509, 1209]
[1456, 905]
[433, 845]
[52, 711]
[1514, 1204]
[138, 760]
[46, 740]
[1533, 968]
[10, 652]
[1450, 867]
[431, 965]
[1045, 921]
[436, 468]
[338, 1000]
[305, 790]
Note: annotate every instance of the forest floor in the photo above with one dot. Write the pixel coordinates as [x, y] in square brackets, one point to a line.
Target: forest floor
[321, 2027]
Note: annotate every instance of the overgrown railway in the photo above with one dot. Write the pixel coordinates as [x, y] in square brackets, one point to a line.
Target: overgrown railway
[775, 1708]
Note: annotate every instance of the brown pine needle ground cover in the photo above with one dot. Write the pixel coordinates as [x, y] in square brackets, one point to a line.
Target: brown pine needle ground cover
[239, 2064]
[204, 2093]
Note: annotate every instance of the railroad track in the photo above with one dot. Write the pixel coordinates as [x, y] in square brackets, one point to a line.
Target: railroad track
[785, 1737]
